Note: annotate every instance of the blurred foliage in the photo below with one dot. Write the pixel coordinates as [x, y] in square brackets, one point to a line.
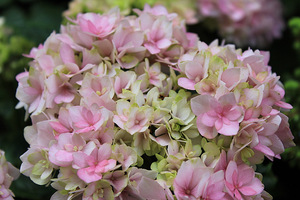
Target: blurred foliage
[292, 87]
[294, 25]
[11, 49]
[291, 8]
[30, 22]
[83, 6]
[100, 6]
[34, 19]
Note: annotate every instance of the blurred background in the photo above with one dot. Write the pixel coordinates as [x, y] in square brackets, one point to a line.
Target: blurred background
[27, 23]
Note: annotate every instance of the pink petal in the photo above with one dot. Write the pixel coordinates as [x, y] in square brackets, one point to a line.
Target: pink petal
[117, 119]
[264, 149]
[246, 174]
[237, 194]
[152, 48]
[228, 99]
[201, 104]
[64, 138]
[204, 175]
[283, 105]
[144, 189]
[254, 188]
[163, 43]
[208, 132]
[64, 96]
[104, 152]
[34, 105]
[162, 140]
[234, 114]
[231, 168]
[78, 140]
[208, 120]
[88, 175]
[79, 160]
[186, 83]
[82, 124]
[58, 127]
[46, 63]
[229, 129]
[64, 156]
[219, 124]
[85, 129]
[90, 57]
[67, 54]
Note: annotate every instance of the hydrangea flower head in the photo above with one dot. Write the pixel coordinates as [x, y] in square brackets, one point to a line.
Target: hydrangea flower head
[124, 105]
[245, 22]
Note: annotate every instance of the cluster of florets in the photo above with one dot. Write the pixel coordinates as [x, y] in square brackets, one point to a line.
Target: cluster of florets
[186, 9]
[245, 22]
[122, 106]
[8, 173]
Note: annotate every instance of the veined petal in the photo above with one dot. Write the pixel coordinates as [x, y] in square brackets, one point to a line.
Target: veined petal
[186, 83]
[88, 175]
[229, 129]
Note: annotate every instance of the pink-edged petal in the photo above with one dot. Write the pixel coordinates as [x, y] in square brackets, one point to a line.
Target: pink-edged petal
[186, 83]
[75, 114]
[79, 160]
[144, 189]
[162, 140]
[65, 96]
[152, 48]
[229, 129]
[46, 63]
[227, 99]
[58, 127]
[90, 57]
[234, 114]
[246, 174]
[83, 125]
[208, 132]
[88, 175]
[233, 76]
[64, 138]
[67, 54]
[204, 174]
[253, 188]
[163, 43]
[219, 124]
[264, 149]
[201, 103]
[89, 147]
[64, 156]
[127, 65]
[78, 140]
[182, 177]
[104, 152]
[237, 195]
[33, 106]
[86, 129]
[283, 105]
[208, 120]
[117, 119]
[107, 165]
[231, 168]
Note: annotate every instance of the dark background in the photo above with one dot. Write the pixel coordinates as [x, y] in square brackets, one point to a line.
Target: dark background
[30, 22]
